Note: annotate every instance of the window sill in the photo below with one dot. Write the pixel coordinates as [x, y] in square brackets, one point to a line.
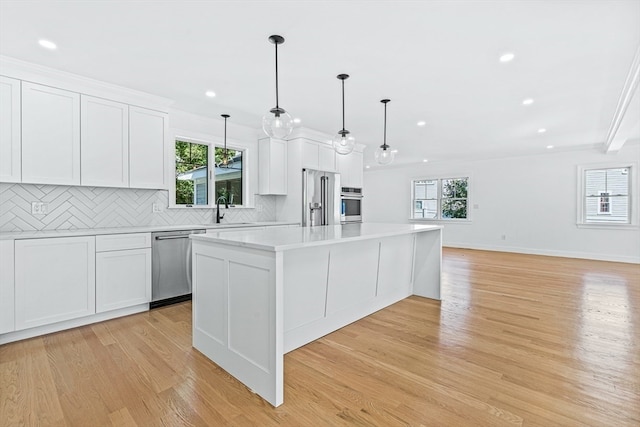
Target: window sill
[608, 226]
[441, 221]
[208, 207]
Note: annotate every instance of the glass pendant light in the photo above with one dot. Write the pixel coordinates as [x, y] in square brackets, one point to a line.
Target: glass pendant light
[226, 161]
[278, 123]
[383, 154]
[343, 143]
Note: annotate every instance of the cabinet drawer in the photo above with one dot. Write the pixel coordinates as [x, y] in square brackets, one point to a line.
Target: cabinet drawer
[117, 242]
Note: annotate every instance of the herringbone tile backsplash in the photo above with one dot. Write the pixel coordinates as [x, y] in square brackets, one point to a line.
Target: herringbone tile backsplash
[98, 207]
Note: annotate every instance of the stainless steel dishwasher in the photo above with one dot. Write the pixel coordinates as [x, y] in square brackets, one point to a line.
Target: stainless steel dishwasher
[171, 267]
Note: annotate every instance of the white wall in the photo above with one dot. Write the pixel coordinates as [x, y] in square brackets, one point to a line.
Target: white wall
[531, 200]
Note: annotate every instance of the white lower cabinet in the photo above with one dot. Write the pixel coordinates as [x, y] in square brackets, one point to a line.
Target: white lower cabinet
[123, 279]
[7, 300]
[123, 271]
[54, 280]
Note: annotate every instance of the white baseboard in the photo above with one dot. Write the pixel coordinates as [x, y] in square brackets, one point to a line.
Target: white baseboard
[68, 324]
[547, 252]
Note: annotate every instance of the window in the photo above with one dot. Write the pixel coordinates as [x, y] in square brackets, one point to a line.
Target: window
[198, 184]
[606, 196]
[229, 178]
[192, 173]
[445, 198]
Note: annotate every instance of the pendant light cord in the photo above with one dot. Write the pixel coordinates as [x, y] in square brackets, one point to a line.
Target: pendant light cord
[385, 126]
[343, 106]
[277, 106]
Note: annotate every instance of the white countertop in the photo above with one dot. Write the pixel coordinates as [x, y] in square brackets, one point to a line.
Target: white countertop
[123, 230]
[300, 237]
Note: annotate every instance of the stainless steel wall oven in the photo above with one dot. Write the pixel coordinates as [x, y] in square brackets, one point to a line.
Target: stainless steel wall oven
[351, 210]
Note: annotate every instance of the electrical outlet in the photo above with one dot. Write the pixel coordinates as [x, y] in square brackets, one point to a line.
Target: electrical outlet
[259, 208]
[157, 208]
[39, 208]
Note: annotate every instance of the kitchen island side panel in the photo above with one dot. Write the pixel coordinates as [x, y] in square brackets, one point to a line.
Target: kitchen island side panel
[235, 319]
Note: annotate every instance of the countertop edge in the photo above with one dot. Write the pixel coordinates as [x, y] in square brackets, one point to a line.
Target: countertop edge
[280, 248]
[43, 234]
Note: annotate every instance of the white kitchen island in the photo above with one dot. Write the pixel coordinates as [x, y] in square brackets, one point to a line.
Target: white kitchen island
[258, 294]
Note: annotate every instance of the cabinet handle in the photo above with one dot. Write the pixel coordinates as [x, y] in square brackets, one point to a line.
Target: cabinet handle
[182, 236]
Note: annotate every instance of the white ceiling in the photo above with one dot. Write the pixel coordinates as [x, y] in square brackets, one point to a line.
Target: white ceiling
[436, 60]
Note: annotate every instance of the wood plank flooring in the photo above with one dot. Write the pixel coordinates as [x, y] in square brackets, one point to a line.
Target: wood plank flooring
[517, 340]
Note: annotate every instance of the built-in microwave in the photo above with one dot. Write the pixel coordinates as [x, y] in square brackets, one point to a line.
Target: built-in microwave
[351, 205]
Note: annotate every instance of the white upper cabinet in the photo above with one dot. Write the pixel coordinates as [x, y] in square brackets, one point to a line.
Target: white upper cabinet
[272, 166]
[50, 135]
[326, 158]
[351, 167]
[105, 142]
[147, 133]
[318, 156]
[310, 155]
[10, 137]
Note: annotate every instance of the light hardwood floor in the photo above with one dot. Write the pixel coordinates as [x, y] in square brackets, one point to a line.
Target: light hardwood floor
[517, 340]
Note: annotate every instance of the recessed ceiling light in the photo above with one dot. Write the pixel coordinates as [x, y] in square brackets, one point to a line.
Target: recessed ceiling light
[297, 120]
[367, 167]
[549, 147]
[210, 93]
[421, 123]
[507, 57]
[527, 101]
[47, 44]
[425, 160]
[542, 130]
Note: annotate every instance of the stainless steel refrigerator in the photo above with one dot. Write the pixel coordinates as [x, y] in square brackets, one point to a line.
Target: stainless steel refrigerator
[320, 198]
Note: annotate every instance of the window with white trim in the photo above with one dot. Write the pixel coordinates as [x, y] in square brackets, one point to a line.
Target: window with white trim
[605, 195]
[440, 199]
[203, 174]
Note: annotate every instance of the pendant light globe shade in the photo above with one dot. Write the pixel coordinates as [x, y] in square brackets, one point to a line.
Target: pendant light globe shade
[343, 143]
[384, 155]
[277, 125]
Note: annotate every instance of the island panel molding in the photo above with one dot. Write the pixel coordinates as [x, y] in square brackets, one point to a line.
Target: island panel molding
[237, 323]
[258, 294]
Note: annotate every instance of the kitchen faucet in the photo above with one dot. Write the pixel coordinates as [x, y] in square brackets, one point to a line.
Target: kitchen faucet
[226, 206]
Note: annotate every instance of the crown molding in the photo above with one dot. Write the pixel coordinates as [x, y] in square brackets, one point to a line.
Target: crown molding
[34, 73]
[629, 90]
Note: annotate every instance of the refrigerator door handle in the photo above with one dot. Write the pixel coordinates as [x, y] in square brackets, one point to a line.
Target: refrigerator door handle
[323, 199]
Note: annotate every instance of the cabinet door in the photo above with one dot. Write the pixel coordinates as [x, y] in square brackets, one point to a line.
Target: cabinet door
[105, 142]
[357, 169]
[50, 135]
[327, 158]
[54, 280]
[272, 166]
[310, 155]
[345, 162]
[7, 301]
[123, 279]
[147, 132]
[10, 137]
